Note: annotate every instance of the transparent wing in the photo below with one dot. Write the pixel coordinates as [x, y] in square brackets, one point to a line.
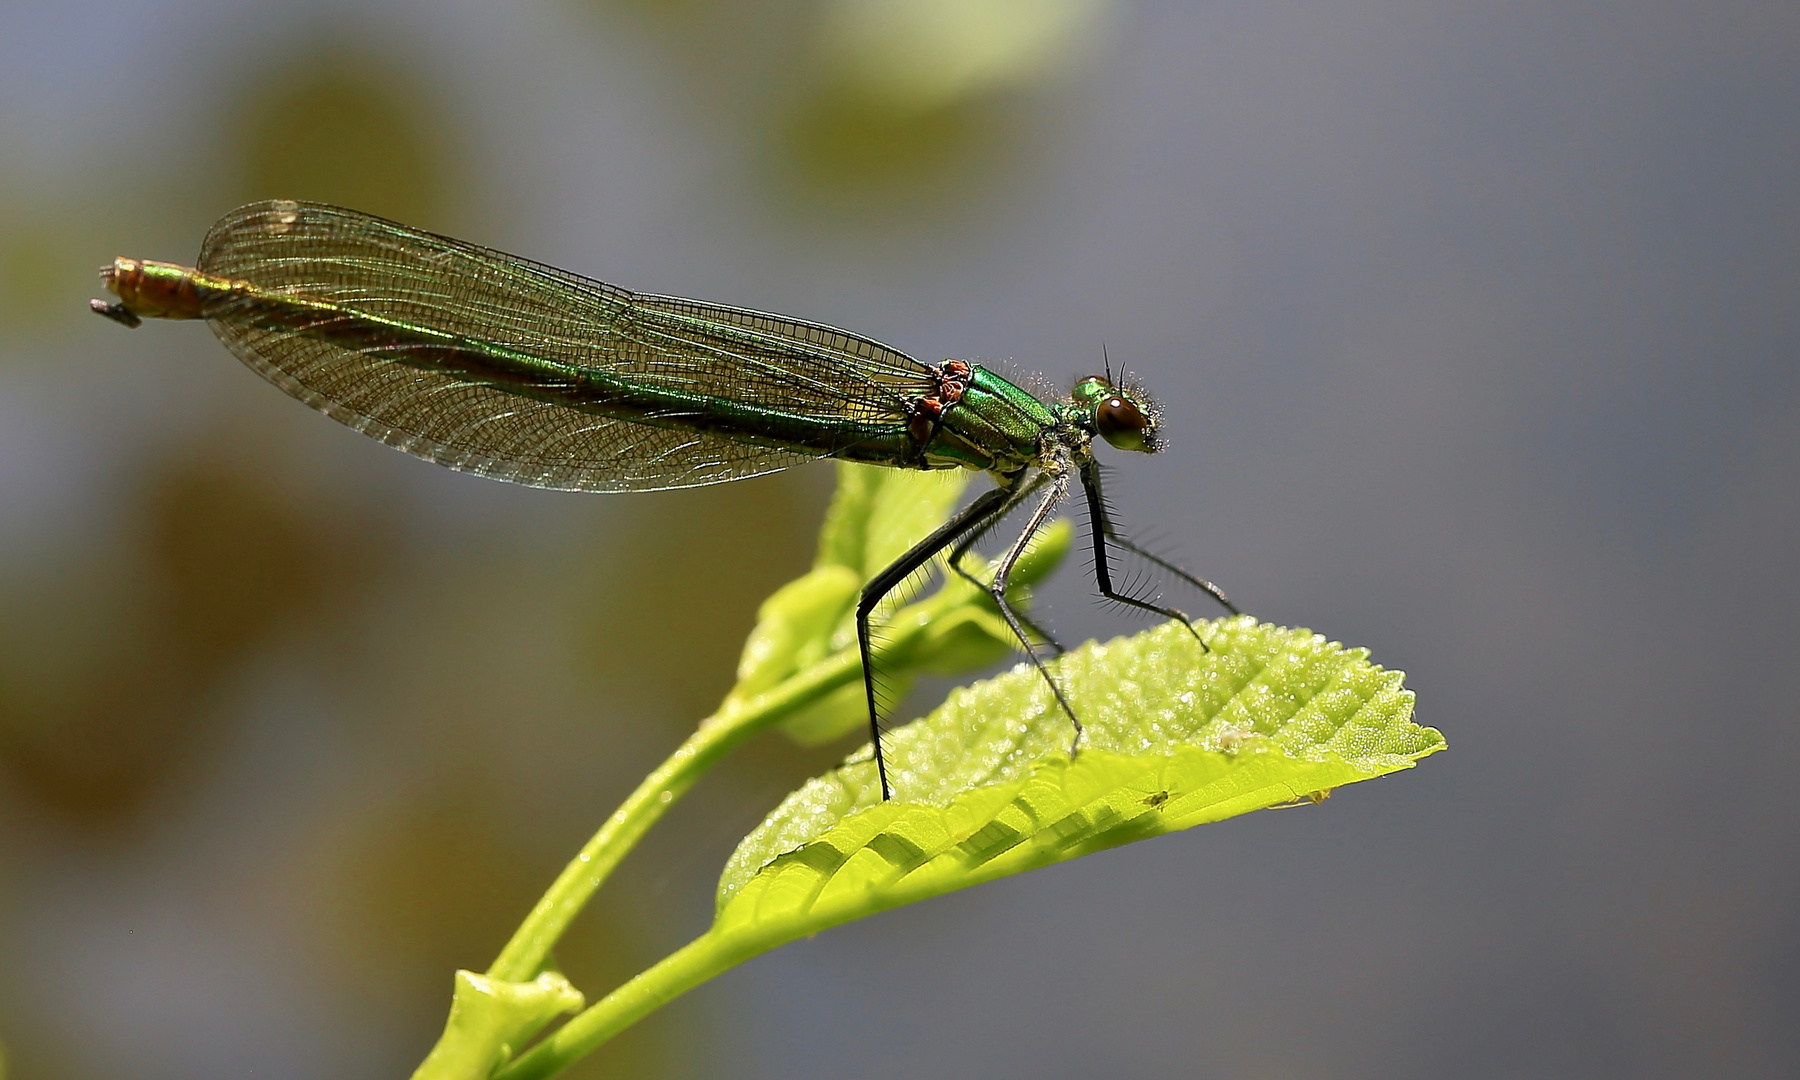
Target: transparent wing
[490, 432]
[361, 273]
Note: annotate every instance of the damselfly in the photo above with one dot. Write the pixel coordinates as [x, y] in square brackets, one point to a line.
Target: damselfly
[499, 366]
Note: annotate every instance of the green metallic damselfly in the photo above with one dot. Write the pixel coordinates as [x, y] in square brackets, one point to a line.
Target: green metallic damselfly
[496, 365]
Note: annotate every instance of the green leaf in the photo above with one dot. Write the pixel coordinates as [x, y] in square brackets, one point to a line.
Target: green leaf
[877, 513]
[792, 625]
[1175, 736]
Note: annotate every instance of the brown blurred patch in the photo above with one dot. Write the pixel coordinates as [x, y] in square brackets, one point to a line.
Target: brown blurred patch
[865, 148]
[434, 885]
[424, 887]
[234, 557]
[345, 127]
[678, 591]
[35, 1051]
[130, 649]
[37, 264]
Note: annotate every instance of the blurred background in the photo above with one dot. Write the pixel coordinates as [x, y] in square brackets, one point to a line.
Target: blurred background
[1477, 327]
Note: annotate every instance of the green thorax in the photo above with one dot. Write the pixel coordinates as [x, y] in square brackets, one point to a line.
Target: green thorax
[992, 425]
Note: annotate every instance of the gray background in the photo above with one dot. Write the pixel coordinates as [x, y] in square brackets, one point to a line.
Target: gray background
[1477, 328]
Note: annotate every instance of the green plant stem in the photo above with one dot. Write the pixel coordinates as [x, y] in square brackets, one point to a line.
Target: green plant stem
[674, 975]
[524, 955]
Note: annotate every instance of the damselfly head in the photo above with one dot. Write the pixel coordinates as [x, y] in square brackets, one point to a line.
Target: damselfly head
[1122, 415]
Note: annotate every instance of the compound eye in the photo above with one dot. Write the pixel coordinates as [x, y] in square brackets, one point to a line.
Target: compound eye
[1122, 423]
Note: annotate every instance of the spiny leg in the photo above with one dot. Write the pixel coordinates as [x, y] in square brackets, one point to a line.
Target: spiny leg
[1200, 583]
[974, 537]
[1205, 586]
[1090, 479]
[1103, 529]
[976, 516]
[1101, 526]
[1059, 487]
